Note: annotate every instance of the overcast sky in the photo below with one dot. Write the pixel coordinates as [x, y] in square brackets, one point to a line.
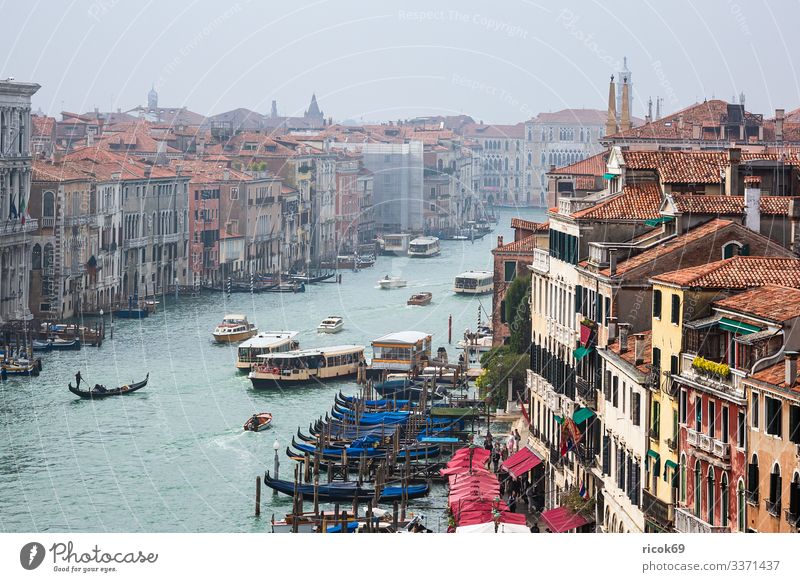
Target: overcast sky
[500, 61]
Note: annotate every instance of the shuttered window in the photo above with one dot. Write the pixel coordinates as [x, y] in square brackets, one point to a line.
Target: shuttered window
[657, 303]
[636, 408]
[676, 309]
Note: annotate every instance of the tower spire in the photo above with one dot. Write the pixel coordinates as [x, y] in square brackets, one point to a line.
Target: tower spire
[625, 115]
[611, 121]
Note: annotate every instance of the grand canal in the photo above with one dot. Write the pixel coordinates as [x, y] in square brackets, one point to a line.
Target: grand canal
[173, 457]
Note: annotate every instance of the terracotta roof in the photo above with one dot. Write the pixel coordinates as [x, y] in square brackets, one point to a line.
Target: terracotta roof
[637, 201]
[530, 225]
[44, 171]
[592, 166]
[739, 272]
[42, 126]
[630, 355]
[586, 183]
[679, 167]
[207, 171]
[773, 302]
[524, 246]
[728, 205]
[776, 376]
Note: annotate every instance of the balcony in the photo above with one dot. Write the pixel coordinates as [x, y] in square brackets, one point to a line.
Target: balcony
[751, 497]
[730, 387]
[654, 434]
[135, 243]
[708, 444]
[541, 261]
[569, 206]
[672, 444]
[561, 333]
[170, 238]
[586, 392]
[657, 509]
[16, 227]
[79, 220]
[48, 222]
[687, 522]
[773, 507]
[793, 519]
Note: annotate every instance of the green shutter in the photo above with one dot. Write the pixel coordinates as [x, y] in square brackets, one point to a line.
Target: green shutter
[656, 303]
[676, 309]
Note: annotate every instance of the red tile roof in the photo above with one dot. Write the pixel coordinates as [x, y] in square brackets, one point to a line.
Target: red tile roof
[738, 272]
[729, 205]
[772, 302]
[592, 166]
[776, 376]
[630, 355]
[679, 167]
[530, 225]
[42, 126]
[637, 201]
[44, 171]
[522, 246]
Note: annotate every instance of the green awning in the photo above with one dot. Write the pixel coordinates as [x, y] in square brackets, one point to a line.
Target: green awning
[737, 326]
[559, 420]
[582, 415]
[655, 456]
[659, 220]
[669, 464]
[609, 176]
[652, 453]
[581, 352]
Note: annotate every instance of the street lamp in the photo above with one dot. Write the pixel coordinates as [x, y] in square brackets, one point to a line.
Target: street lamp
[276, 446]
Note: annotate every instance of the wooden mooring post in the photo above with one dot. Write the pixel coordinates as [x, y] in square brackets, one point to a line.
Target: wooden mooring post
[258, 496]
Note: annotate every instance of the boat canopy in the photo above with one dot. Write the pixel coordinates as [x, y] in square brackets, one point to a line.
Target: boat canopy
[328, 351]
[402, 337]
[267, 338]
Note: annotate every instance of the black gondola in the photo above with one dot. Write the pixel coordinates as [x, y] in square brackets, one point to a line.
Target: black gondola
[102, 392]
[347, 491]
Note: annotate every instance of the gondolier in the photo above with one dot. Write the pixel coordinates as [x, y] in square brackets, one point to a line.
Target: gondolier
[78, 379]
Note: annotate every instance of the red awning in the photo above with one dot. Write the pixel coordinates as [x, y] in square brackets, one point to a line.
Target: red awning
[563, 519]
[521, 462]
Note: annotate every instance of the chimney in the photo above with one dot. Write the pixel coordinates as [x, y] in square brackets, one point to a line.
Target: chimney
[90, 138]
[611, 120]
[625, 115]
[624, 330]
[752, 203]
[500, 241]
[147, 171]
[638, 349]
[791, 368]
[696, 131]
[732, 172]
[612, 329]
[612, 262]
[794, 217]
[779, 116]
[680, 121]
[201, 145]
[226, 175]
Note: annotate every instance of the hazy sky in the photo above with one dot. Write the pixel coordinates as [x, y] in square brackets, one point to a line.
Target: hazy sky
[500, 61]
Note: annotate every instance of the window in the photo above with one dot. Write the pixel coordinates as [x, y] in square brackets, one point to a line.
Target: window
[48, 205]
[636, 408]
[754, 412]
[698, 413]
[775, 488]
[615, 392]
[673, 365]
[773, 423]
[723, 501]
[740, 431]
[752, 479]
[712, 419]
[657, 364]
[656, 420]
[710, 497]
[234, 193]
[725, 424]
[675, 316]
[682, 406]
[509, 270]
[657, 304]
[697, 486]
[794, 424]
[740, 505]
[683, 479]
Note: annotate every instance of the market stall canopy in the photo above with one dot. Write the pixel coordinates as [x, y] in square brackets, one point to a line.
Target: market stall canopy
[563, 519]
[489, 527]
[521, 462]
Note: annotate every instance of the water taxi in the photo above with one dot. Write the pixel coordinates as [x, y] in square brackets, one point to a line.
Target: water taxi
[234, 328]
[424, 247]
[299, 366]
[266, 342]
[474, 283]
[331, 324]
[389, 282]
[423, 298]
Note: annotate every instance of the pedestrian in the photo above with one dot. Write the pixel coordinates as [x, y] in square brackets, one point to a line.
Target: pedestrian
[530, 495]
[487, 442]
[496, 457]
[517, 437]
[535, 528]
[512, 502]
[503, 453]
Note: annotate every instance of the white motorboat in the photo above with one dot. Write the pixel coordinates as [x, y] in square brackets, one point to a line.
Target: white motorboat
[234, 328]
[331, 324]
[389, 282]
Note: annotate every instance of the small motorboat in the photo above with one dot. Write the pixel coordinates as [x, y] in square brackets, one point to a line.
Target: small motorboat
[423, 298]
[291, 287]
[389, 282]
[259, 422]
[234, 329]
[331, 324]
[151, 305]
[100, 391]
[20, 367]
[42, 345]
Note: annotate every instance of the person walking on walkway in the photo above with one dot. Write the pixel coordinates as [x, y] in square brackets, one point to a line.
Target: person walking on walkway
[496, 457]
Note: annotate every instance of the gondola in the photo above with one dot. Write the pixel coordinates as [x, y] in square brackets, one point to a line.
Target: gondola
[104, 393]
[311, 279]
[42, 345]
[65, 344]
[347, 491]
[418, 451]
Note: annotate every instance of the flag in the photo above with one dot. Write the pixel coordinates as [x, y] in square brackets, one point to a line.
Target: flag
[524, 412]
[22, 209]
[582, 491]
[570, 435]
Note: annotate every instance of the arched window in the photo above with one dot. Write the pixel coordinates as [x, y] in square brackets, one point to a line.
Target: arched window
[723, 501]
[740, 505]
[794, 498]
[48, 205]
[733, 249]
[710, 497]
[36, 258]
[775, 489]
[752, 478]
[683, 478]
[697, 488]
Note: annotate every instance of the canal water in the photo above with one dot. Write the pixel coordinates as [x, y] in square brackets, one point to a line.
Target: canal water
[173, 457]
